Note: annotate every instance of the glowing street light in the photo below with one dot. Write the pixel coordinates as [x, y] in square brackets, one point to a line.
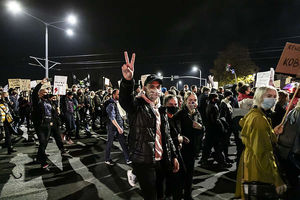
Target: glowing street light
[71, 19]
[159, 74]
[195, 68]
[14, 7]
[70, 32]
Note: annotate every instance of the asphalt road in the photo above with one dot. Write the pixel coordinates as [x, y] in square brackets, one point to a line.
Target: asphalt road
[86, 176]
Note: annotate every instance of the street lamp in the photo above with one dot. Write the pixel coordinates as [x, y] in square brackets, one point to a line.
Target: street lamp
[159, 74]
[14, 7]
[178, 83]
[195, 68]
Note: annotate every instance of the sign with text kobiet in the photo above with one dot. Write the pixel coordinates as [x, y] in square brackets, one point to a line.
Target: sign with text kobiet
[289, 62]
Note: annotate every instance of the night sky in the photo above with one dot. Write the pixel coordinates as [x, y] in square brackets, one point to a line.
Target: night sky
[167, 36]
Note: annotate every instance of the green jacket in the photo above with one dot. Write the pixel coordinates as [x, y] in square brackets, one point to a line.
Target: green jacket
[257, 162]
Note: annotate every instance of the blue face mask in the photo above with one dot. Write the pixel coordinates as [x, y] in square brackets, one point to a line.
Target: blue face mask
[268, 103]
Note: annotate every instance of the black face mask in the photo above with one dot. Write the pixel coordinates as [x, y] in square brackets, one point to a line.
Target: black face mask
[172, 109]
[45, 96]
[6, 99]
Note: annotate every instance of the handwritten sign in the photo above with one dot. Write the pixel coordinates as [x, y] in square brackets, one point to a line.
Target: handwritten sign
[263, 79]
[289, 62]
[14, 83]
[277, 83]
[25, 85]
[106, 81]
[60, 85]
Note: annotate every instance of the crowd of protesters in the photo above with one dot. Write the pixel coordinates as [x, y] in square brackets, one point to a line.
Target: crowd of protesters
[162, 132]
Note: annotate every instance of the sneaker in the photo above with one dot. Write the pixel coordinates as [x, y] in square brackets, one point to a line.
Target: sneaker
[110, 162]
[128, 162]
[131, 178]
[45, 167]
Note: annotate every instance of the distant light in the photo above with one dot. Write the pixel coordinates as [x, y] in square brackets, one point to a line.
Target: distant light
[69, 32]
[180, 82]
[71, 19]
[14, 7]
[195, 68]
[159, 74]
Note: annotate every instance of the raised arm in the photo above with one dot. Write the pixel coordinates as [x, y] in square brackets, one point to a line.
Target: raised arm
[127, 83]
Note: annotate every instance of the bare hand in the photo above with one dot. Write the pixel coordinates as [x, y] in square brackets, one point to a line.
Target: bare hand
[196, 125]
[45, 80]
[281, 189]
[128, 68]
[176, 165]
[185, 140]
[278, 129]
[120, 130]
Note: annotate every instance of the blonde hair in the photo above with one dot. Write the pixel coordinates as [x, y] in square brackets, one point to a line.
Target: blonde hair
[187, 95]
[259, 93]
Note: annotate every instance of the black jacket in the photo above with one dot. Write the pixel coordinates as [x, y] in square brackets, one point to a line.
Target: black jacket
[38, 111]
[142, 122]
[184, 122]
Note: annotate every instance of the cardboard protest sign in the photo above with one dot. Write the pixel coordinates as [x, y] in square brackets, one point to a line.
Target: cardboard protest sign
[25, 85]
[60, 85]
[14, 83]
[45, 86]
[289, 62]
[277, 83]
[265, 78]
[288, 80]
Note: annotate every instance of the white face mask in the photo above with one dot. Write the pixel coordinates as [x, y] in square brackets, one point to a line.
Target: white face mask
[153, 94]
[268, 103]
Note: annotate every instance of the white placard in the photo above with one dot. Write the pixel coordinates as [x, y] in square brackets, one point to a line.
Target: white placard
[33, 84]
[60, 85]
[263, 79]
[106, 81]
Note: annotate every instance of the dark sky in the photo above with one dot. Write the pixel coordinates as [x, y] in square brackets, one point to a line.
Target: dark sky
[167, 36]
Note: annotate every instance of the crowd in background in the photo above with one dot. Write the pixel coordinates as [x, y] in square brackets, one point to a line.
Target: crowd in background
[199, 122]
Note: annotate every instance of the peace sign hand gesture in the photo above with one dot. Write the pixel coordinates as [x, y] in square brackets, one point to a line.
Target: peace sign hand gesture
[128, 68]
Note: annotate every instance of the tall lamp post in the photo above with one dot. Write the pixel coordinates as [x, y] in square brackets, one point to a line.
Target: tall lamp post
[195, 68]
[15, 8]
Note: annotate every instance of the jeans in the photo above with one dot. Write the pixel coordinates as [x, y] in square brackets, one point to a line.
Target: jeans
[151, 179]
[43, 133]
[110, 138]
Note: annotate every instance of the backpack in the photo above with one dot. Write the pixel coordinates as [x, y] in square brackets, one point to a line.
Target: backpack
[104, 113]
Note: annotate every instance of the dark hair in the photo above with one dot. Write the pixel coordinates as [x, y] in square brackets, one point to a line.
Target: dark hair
[171, 92]
[205, 89]
[282, 95]
[182, 93]
[227, 93]
[193, 87]
[114, 91]
[168, 98]
[212, 96]
[244, 88]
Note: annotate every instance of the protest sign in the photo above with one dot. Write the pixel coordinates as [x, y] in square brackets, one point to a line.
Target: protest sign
[106, 81]
[289, 62]
[14, 83]
[265, 78]
[277, 83]
[33, 84]
[60, 85]
[25, 85]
